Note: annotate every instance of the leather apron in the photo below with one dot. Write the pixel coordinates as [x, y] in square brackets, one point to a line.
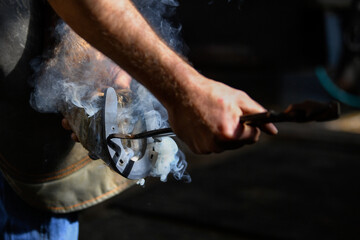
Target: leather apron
[37, 157]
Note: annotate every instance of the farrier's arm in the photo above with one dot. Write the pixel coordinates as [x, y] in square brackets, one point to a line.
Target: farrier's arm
[203, 113]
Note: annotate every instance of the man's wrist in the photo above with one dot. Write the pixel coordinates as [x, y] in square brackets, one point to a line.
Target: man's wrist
[184, 83]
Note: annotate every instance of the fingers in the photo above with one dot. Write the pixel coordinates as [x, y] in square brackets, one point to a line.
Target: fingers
[269, 128]
[65, 124]
[249, 134]
[123, 79]
[245, 135]
[74, 137]
[249, 106]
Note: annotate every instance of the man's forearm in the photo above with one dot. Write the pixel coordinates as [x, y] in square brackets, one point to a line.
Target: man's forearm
[117, 29]
[202, 112]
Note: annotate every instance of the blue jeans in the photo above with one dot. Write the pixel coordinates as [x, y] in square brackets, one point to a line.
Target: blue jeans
[20, 221]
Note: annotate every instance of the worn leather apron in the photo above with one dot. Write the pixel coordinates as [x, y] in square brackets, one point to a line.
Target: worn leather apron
[37, 156]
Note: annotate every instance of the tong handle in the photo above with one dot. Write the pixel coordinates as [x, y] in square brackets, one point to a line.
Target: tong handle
[258, 118]
[163, 132]
[302, 112]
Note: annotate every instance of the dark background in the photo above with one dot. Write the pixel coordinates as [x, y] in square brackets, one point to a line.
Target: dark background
[253, 45]
[270, 49]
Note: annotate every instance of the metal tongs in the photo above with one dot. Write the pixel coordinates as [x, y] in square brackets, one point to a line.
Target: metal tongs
[302, 112]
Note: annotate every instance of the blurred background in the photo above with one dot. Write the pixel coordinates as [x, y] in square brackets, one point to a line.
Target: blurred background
[303, 183]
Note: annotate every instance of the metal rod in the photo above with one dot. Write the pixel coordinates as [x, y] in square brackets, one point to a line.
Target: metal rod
[303, 112]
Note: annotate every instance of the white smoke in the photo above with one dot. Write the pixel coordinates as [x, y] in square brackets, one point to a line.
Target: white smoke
[159, 14]
[73, 74]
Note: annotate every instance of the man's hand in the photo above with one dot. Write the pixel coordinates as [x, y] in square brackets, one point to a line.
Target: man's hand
[122, 80]
[208, 120]
[203, 113]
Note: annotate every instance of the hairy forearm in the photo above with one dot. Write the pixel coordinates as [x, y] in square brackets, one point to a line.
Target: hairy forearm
[203, 113]
[117, 29]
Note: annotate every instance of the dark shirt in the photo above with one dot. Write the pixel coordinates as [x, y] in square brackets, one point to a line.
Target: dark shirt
[30, 142]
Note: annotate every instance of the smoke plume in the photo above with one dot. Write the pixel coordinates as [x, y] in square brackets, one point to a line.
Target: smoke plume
[74, 74]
